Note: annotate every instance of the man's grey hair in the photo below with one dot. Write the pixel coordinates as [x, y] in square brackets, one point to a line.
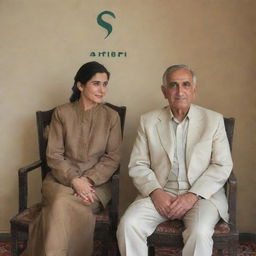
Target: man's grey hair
[177, 67]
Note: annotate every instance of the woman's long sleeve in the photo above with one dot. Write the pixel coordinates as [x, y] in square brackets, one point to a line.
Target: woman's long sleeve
[109, 161]
[62, 169]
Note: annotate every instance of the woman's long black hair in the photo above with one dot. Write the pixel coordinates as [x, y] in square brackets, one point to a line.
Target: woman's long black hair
[84, 74]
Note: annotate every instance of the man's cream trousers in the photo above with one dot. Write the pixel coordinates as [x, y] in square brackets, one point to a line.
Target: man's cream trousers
[141, 219]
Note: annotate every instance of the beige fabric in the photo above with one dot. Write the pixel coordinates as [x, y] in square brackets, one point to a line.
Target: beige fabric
[65, 224]
[200, 222]
[208, 165]
[177, 179]
[80, 143]
[141, 218]
[208, 158]
[85, 143]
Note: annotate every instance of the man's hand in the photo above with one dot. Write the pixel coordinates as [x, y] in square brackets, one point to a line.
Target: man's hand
[83, 189]
[162, 201]
[181, 205]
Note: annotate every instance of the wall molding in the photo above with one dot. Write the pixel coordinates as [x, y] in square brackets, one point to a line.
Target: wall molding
[247, 237]
[5, 237]
[243, 237]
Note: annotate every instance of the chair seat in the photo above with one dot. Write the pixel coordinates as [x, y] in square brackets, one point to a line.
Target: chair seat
[177, 227]
[26, 216]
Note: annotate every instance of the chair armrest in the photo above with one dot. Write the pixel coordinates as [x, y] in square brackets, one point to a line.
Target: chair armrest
[232, 195]
[23, 183]
[114, 198]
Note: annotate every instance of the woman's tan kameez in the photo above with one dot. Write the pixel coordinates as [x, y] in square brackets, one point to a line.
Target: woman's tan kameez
[80, 143]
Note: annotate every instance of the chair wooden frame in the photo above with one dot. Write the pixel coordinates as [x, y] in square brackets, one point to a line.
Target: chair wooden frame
[225, 236]
[106, 221]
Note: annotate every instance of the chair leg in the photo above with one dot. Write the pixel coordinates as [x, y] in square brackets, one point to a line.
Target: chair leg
[220, 252]
[14, 240]
[109, 248]
[151, 251]
[232, 250]
[116, 248]
[104, 250]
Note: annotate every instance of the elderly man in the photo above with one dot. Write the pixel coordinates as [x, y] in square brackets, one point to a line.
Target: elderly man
[179, 164]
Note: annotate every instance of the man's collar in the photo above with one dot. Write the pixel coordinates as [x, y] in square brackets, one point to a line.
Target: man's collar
[188, 115]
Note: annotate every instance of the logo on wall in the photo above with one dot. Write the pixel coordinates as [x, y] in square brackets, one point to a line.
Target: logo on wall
[105, 24]
[108, 27]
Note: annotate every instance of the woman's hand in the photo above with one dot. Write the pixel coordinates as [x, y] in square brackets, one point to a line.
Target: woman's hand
[84, 189]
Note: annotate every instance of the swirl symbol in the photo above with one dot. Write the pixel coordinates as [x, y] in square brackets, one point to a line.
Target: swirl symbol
[105, 24]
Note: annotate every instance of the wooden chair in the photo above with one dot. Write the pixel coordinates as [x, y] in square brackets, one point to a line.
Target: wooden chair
[106, 222]
[169, 233]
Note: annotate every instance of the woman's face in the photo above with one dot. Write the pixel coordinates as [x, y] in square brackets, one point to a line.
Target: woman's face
[94, 90]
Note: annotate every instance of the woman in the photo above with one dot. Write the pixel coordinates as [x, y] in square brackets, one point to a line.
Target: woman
[83, 152]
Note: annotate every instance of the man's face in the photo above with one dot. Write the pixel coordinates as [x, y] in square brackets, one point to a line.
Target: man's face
[179, 89]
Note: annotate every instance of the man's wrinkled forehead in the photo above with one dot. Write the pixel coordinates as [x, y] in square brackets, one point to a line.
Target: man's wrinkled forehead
[180, 75]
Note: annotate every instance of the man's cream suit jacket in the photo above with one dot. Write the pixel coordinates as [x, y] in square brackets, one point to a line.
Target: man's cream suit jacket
[208, 158]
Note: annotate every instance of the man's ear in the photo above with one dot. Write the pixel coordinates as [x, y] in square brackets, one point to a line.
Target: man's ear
[79, 86]
[163, 88]
[195, 90]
